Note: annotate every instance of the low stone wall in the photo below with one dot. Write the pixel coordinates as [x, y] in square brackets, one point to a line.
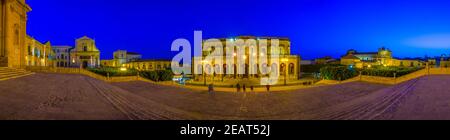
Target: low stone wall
[392, 80]
[83, 72]
[377, 79]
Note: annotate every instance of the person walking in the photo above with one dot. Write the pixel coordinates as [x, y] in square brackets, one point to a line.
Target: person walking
[238, 87]
[211, 88]
[243, 87]
[252, 88]
[268, 88]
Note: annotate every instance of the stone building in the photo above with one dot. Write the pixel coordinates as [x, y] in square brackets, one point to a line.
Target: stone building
[18, 50]
[381, 58]
[121, 57]
[13, 23]
[62, 55]
[38, 54]
[149, 65]
[287, 68]
[85, 54]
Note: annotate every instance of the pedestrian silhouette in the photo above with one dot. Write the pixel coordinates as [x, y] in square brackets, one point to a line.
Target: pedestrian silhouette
[238, 87]
[268, 87]
[211, 88]
[243, 87]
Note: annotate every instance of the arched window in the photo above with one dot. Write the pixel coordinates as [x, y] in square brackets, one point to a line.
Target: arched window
[274, 69]
[208, 69]
[254, 69]
[36, 52]
[29, 50]
[264, 68]
[217, 69]
[291, 68]
[85, 48]
[283, 68]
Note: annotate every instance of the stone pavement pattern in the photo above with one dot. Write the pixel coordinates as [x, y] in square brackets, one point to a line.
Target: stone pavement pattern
[66, 96]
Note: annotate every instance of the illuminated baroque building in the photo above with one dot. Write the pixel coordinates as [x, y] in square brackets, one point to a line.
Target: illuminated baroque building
[131, 60]
[38, 54]
[381, 58]
[18, 50]
[287, 68]
[149, 65]
[121, 57]
[85, 54]
[13, 23]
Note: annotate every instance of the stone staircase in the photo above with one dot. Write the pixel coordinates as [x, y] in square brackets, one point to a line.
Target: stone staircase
[10, 73]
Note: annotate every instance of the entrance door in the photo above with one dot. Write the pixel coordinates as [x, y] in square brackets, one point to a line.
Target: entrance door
[3, 61]
[85, 64]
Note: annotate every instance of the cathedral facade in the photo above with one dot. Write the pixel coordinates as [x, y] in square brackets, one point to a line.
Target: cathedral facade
[13, 22]
[85, 54]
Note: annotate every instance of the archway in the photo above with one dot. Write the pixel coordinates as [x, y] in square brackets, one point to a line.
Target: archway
[85, 64]
[291, 68]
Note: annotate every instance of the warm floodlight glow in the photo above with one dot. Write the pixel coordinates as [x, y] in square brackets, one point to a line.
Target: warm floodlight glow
[123, 69]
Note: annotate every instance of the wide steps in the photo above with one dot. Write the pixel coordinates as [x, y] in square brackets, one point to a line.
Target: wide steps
[11, 73]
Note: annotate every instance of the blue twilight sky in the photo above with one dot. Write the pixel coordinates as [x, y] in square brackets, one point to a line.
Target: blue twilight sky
[317, 28]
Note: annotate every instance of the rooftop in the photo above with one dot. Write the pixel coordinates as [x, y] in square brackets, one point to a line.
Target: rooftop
[85, 38]
[350, 57]
[133, 53]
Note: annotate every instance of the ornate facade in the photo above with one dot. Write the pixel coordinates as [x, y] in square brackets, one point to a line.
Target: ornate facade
[149, 65]
[13, 22]
[288, 66]
[85, 54]
[38, 54]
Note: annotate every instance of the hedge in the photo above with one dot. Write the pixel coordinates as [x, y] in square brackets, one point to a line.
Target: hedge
[337, 73]
[159, 75]
[389, 71]
[113, 72]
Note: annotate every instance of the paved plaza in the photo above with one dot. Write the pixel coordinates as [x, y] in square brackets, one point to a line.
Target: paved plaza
[70, 96]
